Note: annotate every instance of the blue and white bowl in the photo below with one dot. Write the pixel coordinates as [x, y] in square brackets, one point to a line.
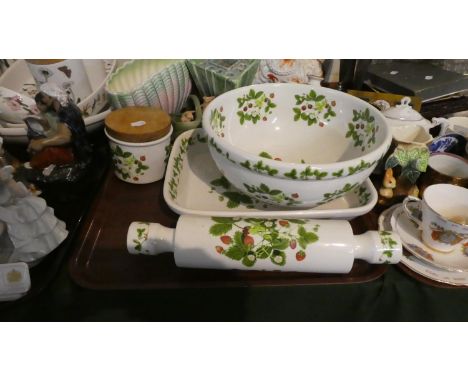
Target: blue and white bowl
[442, 144]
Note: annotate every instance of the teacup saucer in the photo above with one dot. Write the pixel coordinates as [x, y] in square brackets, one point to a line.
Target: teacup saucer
[419, 266]
[454, 261]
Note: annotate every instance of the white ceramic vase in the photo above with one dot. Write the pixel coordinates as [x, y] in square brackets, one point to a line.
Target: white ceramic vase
[70, 75]
[291, 245]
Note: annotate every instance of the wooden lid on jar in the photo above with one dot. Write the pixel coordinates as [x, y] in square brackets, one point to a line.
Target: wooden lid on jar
[138, 124]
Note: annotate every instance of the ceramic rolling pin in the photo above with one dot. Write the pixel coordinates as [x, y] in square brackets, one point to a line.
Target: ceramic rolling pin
[297, 245]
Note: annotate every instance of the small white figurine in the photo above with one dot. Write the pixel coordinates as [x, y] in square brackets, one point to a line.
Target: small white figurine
[388, 184]
[28, 228]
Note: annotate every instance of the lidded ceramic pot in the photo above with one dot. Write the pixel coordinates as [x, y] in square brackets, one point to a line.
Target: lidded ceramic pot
[403, 114]
[290, 245]
[139, 138]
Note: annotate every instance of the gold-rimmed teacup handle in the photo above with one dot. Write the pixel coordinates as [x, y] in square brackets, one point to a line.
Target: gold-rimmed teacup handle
[409, 213]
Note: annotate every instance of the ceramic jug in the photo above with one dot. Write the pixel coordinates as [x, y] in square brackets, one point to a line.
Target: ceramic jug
[292, 245]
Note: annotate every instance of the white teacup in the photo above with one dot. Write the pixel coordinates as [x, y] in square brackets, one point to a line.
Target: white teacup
[457, 125]
[444, 220]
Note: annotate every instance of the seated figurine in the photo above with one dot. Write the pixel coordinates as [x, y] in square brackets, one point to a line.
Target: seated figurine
[59, 137]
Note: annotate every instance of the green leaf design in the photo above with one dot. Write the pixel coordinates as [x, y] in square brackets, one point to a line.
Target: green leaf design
[291, 174]
[280, 243]
[236, 198]
[249, 260]
[302, 242]
[278, 258]
[297, 221]
[220, 229]
[310, 237]
[258, 229]
[263, 252]
[118, 151]
[236, 252]
[264, 154]
[221, 182]
[246, 164]
[254, 220]
[225, 220]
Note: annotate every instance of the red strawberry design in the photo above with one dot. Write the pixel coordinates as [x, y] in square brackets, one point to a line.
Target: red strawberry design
[293, 244]
[226, 239]
[142, 158]
[333, 103]
[283, 223]
[248, 240]
[135, 178]
[278, 159]
[295, 195]
[321, 124]
[300, 255]
[219, 249]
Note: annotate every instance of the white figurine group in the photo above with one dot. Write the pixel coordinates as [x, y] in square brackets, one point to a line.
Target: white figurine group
[29, 229]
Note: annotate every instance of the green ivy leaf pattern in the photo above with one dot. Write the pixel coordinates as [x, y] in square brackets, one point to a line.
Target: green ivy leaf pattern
[142, 235]
[250, 240]
[263, 192]
[179, 162]
[387, 240]
[362, 129]
[230, 195]
[363, 194]
[313, 108]
[266, 155]
[329, 196]
[291, 174]
[127, 165]
[363, 165]
[255, 106]
[217, 121]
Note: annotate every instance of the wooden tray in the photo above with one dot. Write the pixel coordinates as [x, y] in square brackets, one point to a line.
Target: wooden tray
[100, 259]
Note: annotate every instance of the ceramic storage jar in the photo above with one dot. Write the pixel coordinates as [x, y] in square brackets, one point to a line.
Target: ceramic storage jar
[139, 138]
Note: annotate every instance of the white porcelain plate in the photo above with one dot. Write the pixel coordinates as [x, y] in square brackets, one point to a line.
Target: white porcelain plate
[18, 134]
[456, 260]
[419, 266]
[194, 185]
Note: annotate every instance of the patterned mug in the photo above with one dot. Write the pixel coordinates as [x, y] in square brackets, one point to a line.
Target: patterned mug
[442, 215]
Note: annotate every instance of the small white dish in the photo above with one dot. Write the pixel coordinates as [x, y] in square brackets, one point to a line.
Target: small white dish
[454, 261]
[194, 185]
[18, 134]
[14, 107]
[419, 266]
